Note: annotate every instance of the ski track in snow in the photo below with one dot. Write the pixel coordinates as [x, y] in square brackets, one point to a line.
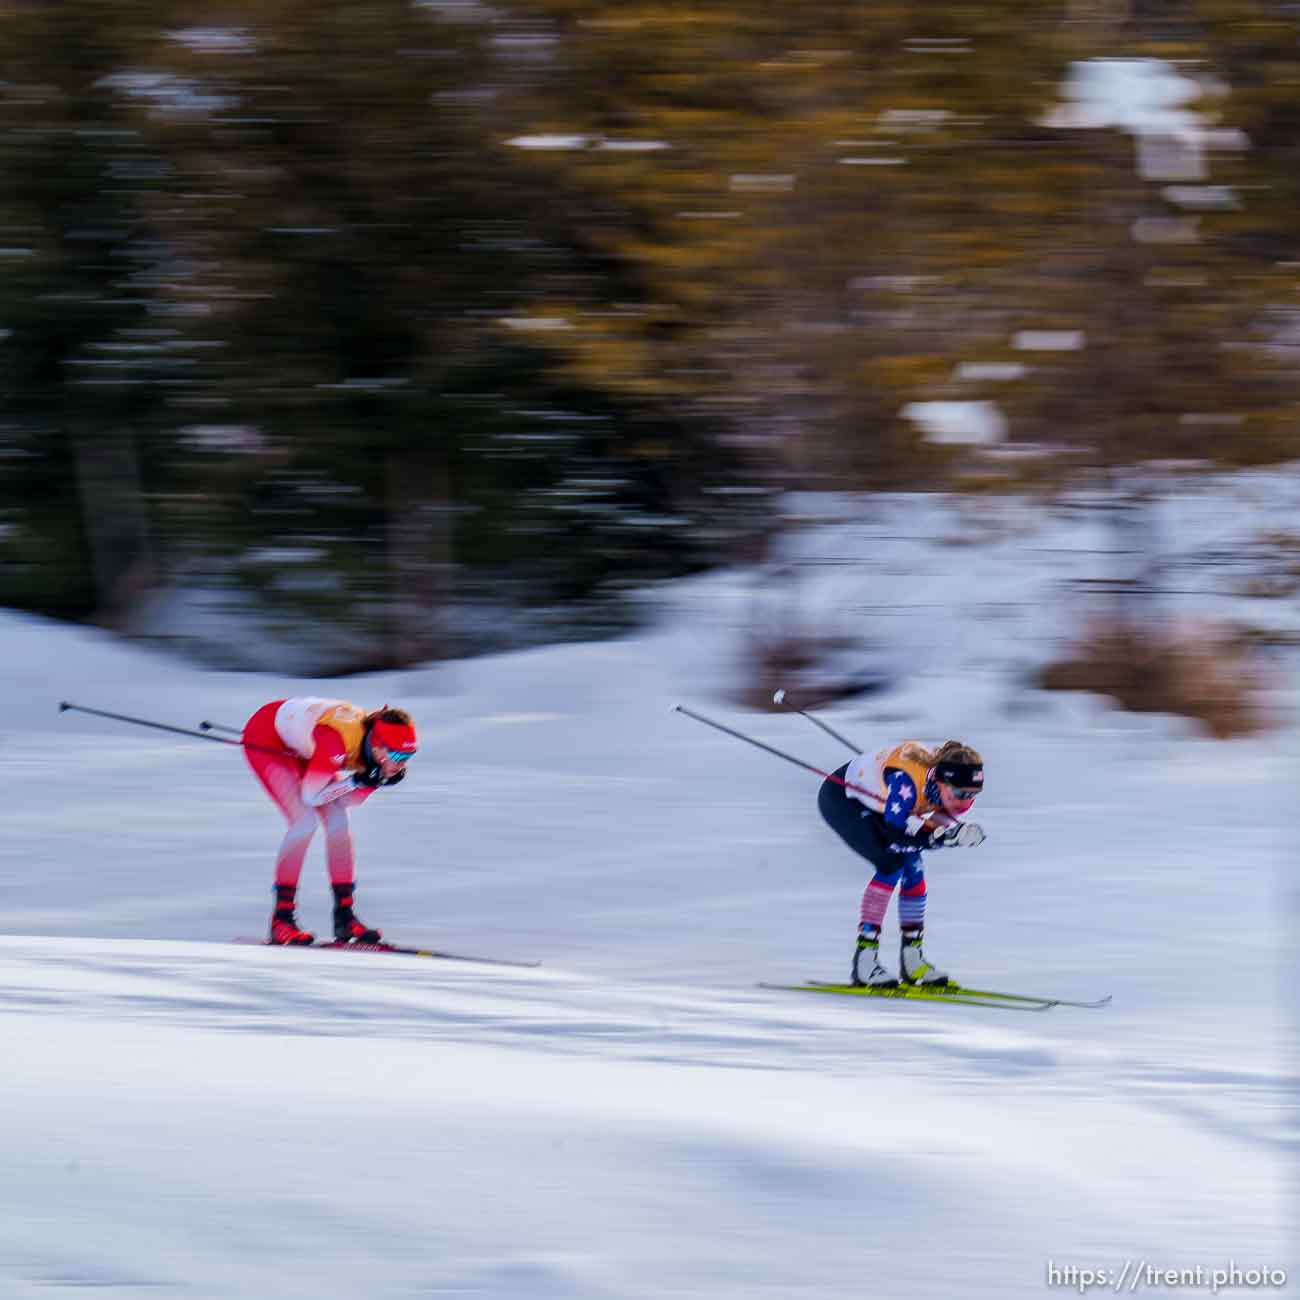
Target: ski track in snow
[206, 986]
[758, 1095]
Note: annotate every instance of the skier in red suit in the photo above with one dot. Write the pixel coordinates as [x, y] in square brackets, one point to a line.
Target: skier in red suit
[317, 758]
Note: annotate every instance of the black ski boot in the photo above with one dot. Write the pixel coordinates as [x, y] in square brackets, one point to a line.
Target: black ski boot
[284, 926]
[347, 929]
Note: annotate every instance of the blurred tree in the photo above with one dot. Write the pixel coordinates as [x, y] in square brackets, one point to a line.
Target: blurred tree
[794, 202]
[356, 225]
[336, 229]
[818, 214]
[84, 357]
[1252, 47]
[335, 237]
[1171, 279]
[1159, 272]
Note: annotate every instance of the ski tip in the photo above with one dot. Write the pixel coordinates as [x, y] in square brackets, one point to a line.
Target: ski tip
[1095, 1005]
[64, 706]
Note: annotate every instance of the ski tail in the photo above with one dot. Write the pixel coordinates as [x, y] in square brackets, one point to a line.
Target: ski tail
[397, 949]
[437, 954]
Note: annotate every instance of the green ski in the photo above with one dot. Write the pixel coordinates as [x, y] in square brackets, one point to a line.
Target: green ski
[910, 992]
[942, 993]
[1092, 1005]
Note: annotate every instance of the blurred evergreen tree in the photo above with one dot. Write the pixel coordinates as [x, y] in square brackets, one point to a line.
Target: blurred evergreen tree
[818, 214]
[356, 224]
[336, 235]
[85, 358]
[1144, 247]
[795, 203]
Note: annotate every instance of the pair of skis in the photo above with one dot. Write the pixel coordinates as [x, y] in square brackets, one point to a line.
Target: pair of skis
[955, 993]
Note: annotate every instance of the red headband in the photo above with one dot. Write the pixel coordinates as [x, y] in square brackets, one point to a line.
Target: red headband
[395, 735]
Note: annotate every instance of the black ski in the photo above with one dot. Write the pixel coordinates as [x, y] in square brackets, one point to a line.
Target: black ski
[397, 949]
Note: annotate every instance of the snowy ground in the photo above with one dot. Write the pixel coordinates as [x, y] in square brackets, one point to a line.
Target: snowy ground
[183, 1116]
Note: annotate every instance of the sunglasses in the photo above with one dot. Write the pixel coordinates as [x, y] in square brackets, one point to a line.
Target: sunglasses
[401, 755]
[964, 794]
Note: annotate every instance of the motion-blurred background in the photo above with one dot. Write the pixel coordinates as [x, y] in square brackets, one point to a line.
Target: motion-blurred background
[353, 335]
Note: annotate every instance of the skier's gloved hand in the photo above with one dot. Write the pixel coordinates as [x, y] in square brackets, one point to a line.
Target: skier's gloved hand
[965, 836]
[399, 775]
[369, 779]
[334, 790]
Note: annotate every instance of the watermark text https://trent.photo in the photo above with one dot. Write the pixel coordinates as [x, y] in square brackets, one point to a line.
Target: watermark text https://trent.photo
[1135, 1275]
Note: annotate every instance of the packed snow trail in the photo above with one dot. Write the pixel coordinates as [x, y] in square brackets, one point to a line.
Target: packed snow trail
[203, 1115]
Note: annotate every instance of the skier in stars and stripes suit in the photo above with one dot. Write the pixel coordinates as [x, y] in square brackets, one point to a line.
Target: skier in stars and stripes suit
[889, 807]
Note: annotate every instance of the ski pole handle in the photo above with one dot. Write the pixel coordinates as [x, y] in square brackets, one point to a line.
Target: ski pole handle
[779, 698]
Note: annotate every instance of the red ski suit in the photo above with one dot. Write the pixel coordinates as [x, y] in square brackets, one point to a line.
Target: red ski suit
[309, 780]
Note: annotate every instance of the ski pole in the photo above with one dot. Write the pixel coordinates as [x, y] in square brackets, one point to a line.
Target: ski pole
[65, 705]
[789, 758]
[218, 726]
[779, 698]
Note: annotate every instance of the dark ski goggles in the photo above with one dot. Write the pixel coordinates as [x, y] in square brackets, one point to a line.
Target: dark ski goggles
[965, 794]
